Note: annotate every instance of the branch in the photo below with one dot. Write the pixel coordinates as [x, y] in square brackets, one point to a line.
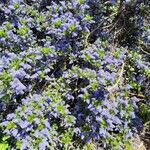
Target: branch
[119, 79]
[138, 95]
[100, 25]
[144, 51]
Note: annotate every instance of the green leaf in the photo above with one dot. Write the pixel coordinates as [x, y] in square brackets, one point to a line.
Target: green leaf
[2, 33]
[81, 1]
[72, 27]
[15, 64]
[58, 23]
[40, 19]
[8, 25]
[70, 119]
[22, 31]
[3, 146]
[67, 137]
[11, 125]
[5, 138]
[101, 53]
[88, 18]
[42, 75]
[61, 109]
[45, 50]
[18, 144]
[30, 118]
[128, 145]
[5, 78]
[89, 146]
[16, 6]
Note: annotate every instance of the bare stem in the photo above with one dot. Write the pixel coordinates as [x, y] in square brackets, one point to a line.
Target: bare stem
[119, 79]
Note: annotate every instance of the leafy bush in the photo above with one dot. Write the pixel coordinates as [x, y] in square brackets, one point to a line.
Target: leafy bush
[72, 73]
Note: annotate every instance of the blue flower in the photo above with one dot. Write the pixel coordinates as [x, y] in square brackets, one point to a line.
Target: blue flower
[17, 86]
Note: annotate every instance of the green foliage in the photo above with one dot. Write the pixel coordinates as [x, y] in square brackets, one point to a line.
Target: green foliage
[58, 23]
[71, 73]
[4, 142]
[89, 146]
[22, 31]
[45, 50]
[2, 33]
[144, 112]
[88, 18]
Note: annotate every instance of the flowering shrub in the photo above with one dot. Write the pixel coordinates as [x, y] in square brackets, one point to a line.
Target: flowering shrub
[72, 73]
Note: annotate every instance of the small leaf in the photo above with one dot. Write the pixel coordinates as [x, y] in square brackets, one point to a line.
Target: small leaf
[2, 33]
[3, 146]
[128, 145]
[58, 23]
[22, 31]
[45, 50]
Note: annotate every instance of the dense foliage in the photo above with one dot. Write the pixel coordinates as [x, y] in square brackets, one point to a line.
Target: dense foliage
[74, 74]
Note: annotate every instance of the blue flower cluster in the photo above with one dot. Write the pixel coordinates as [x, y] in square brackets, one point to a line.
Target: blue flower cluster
[69, 77]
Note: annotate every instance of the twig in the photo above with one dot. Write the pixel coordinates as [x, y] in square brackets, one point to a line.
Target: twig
[140, 146]
[119, 79]
[86, 39]
[138, 95]
[144, 51]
